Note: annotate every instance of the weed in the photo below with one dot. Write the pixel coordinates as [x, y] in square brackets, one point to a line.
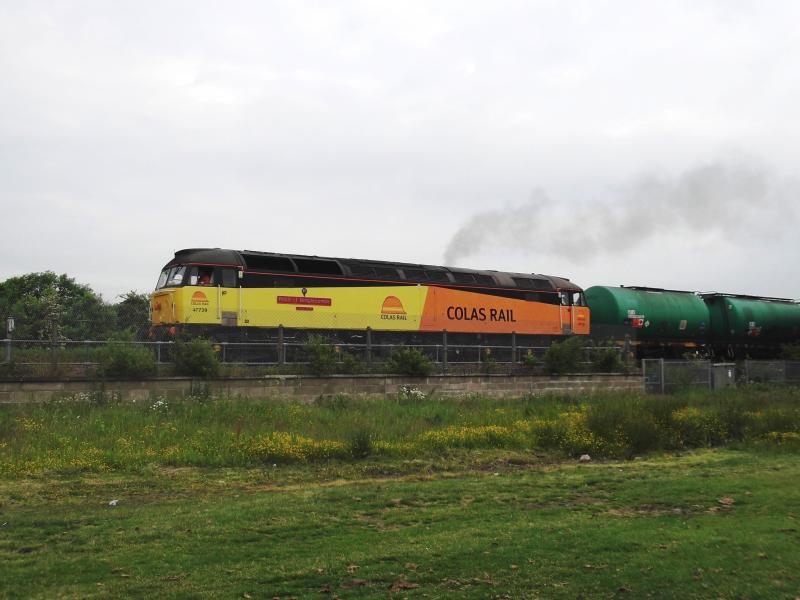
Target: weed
[530, 360]
[361, 444]
[410, 395]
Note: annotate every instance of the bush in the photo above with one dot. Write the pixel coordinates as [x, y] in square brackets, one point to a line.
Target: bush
[321, 355]
[351, 365]
[195, 358]
[607, 360]
[409, 361]
[123, 358]
[564, 357]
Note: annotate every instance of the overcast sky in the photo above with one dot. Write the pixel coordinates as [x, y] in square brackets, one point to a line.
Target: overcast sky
[611, 142]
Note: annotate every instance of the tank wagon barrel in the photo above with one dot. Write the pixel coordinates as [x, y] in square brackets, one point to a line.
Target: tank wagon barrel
[660, 322]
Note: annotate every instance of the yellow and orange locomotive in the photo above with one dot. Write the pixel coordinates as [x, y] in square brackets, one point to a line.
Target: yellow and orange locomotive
[230, 293]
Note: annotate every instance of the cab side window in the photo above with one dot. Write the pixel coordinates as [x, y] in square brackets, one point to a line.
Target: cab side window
[201, 276]
[229, 278]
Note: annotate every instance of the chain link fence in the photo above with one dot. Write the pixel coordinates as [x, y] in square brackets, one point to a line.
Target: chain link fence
[48, 359]
[665, 376]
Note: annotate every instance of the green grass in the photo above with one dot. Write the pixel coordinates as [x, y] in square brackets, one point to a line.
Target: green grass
[94, 433]
[704, 524]
[407, 497]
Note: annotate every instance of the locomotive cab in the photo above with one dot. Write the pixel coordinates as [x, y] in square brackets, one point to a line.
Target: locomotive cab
[198, 287]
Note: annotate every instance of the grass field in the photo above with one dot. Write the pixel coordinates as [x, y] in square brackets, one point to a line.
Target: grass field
[400, 510]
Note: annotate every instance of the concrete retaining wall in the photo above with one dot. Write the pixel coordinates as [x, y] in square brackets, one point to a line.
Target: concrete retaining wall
[307, 389]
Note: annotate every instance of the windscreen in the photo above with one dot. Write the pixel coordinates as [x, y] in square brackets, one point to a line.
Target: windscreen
[171, 277]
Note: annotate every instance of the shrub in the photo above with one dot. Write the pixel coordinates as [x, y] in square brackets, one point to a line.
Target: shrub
[321, 355]
[607, 360]
[564, 357]
[123, 358]
[351, 365]
[195, 358]
[409, 361]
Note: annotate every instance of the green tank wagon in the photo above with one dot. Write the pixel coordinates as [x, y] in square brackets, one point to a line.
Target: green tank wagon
[658, 322]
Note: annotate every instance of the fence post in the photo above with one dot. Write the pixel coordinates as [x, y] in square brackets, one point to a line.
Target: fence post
[710, 375]
[53, 351]
[224, 350]
[281, 347]
[514, 347]
[444, 348]
[158, 351]
[369, 345]
[9, 332]
[663, 381]
[644, 374]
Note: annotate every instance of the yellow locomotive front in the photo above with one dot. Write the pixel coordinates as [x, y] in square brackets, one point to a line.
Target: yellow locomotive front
[191, 291]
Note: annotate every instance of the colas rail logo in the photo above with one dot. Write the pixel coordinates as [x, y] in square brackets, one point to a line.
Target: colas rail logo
[392, 309]
[199, 299]
[199, 302]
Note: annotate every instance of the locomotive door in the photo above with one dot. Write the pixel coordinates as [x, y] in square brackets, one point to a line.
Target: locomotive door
[228, 290]
[565, 310]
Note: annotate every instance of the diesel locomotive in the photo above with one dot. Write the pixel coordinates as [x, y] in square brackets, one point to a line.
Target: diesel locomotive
[231, 294]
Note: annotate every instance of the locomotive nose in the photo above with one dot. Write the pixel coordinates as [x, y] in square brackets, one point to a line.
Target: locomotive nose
[160, 308]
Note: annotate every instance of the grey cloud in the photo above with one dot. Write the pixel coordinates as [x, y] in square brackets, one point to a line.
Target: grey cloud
[736, 201]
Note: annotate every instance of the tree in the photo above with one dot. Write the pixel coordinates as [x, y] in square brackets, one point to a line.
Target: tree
[50, 306]
[133, 314]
